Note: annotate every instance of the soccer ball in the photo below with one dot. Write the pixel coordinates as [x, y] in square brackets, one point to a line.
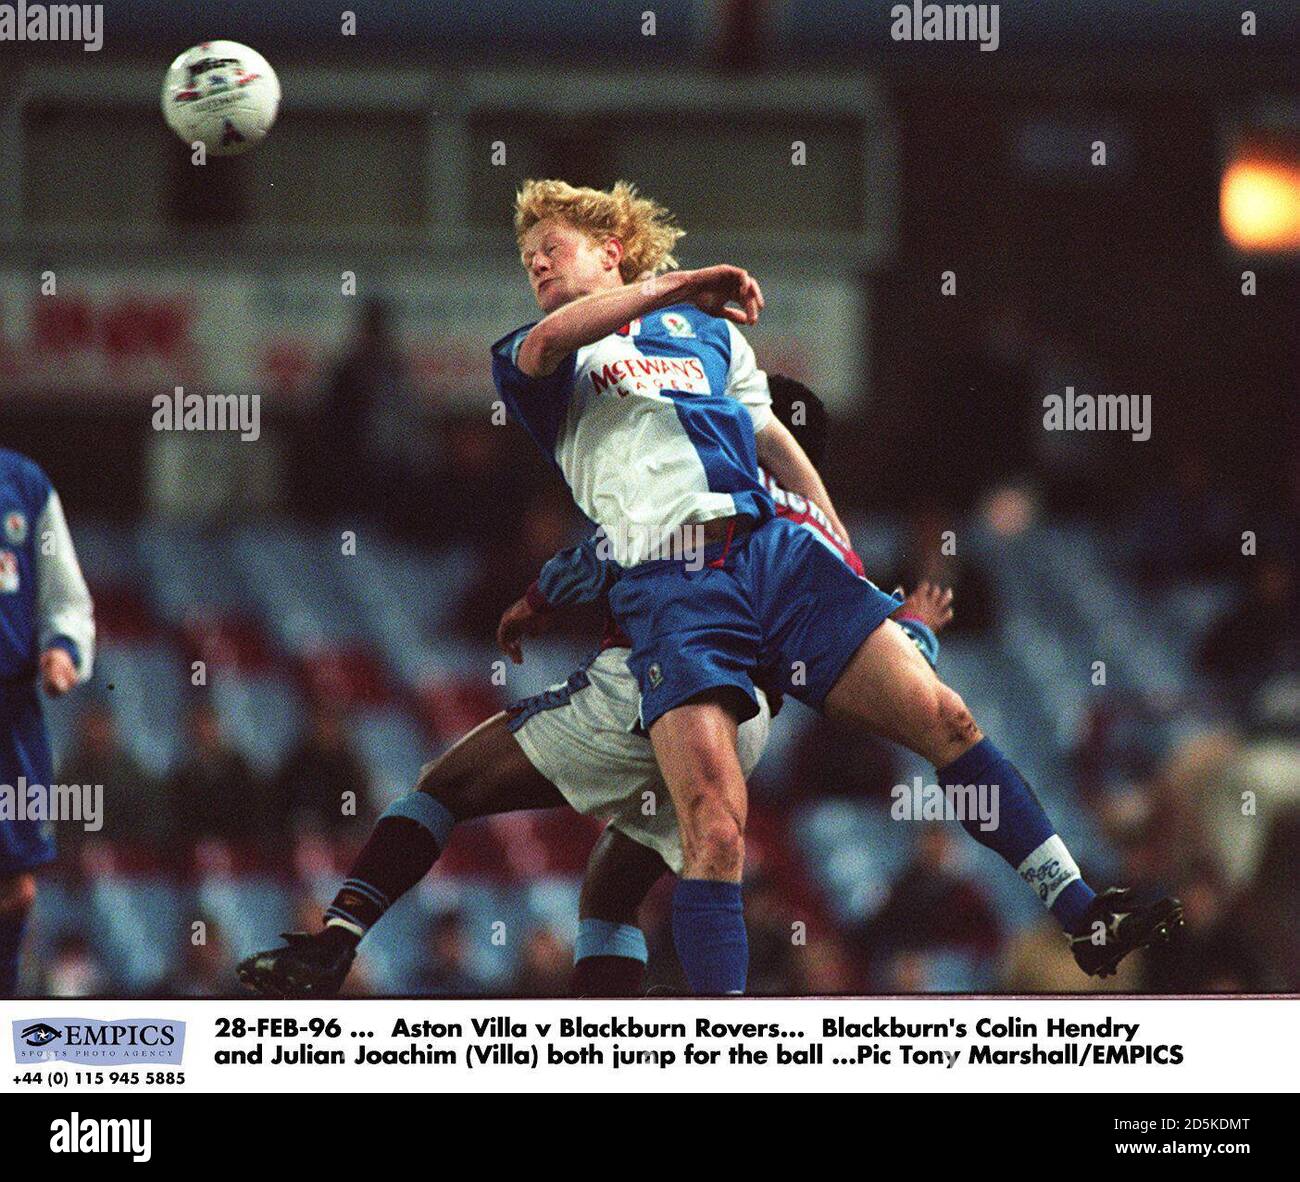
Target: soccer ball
[222, 94]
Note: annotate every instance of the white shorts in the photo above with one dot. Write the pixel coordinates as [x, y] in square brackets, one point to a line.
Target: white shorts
[582, 736]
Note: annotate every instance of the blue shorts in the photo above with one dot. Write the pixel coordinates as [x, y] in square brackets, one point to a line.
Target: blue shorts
[24, 756]
[782, 610]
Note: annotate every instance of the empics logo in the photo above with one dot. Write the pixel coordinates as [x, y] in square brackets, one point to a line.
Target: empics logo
[94, 1042]
[38, 1034]
[88, 1134]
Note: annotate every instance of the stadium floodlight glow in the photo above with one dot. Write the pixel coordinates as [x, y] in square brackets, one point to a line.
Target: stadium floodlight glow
[1259, 204]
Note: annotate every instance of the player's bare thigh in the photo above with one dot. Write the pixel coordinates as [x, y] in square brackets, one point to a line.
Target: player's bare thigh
[695, 745]
[888, 688]
[485, 773]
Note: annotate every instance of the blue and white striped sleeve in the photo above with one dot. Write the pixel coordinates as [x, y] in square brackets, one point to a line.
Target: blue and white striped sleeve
[64, 611]
[579, 574]
[746, 382]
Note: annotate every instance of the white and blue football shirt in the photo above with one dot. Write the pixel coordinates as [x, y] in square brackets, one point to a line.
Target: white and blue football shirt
[652, 427]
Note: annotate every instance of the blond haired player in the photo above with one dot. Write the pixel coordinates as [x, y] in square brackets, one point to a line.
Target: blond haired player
[647, 398]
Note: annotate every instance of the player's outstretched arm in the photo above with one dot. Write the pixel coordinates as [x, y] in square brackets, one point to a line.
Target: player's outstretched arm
[591, 317]
[929, 603]
[579, 574]
[926, 612]
[781, 455]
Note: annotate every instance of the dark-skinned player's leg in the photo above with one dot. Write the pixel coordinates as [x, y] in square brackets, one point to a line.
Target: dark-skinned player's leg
[610, 957]
[483, 774]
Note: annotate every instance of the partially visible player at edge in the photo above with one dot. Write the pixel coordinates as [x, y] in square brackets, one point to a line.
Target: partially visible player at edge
[47, 636]
[647, 398]
[576, 743]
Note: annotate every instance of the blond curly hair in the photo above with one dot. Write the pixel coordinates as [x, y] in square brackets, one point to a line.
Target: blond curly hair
[644, 227]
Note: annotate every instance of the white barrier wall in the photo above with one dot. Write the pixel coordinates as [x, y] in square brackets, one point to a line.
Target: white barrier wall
[125, 336]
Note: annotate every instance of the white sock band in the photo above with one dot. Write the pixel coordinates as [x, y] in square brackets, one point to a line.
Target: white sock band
[335, 922]
[1049, 870]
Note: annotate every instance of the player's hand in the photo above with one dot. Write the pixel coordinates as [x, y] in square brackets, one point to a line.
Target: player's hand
[58, 673]
[519, 620]
[931, 604]
[715, 289]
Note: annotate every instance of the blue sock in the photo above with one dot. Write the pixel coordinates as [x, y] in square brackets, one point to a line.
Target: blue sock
[11, 942]
[709, 935]
[1023, 836]
[600, 937]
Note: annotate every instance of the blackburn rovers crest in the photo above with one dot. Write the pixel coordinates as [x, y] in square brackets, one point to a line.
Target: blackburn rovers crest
[677, 325]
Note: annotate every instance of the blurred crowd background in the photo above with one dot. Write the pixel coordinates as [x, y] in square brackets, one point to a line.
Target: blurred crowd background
[339, 577]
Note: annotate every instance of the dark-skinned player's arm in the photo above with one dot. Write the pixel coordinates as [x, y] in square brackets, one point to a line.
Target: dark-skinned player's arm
[926, 612]
[580, 574]
[781, 455]
[591, 317]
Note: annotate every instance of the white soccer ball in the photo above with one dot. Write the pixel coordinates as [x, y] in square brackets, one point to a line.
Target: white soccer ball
[222, 94]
